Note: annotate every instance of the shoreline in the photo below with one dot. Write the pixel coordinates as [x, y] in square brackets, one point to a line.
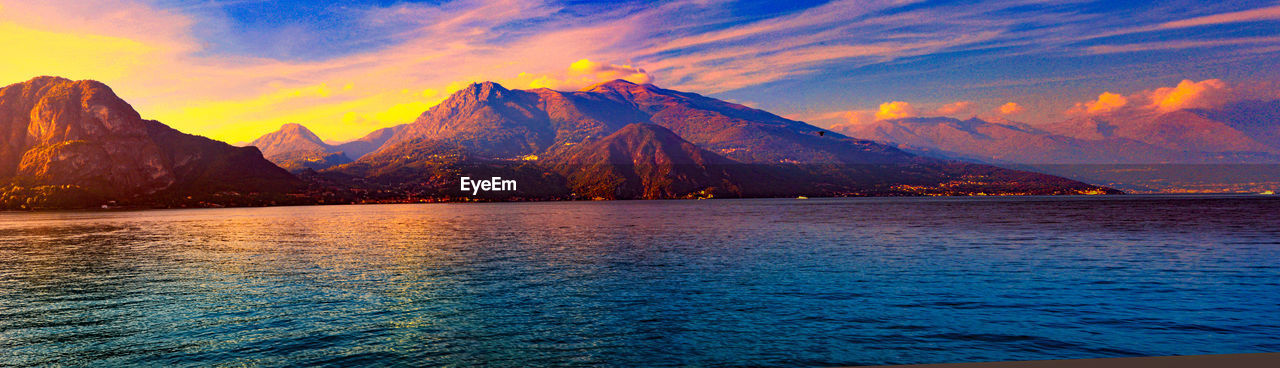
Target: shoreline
[486, 201]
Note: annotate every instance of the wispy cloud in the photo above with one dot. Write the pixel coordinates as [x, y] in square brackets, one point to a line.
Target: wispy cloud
[1252, 15]
[1181, 44]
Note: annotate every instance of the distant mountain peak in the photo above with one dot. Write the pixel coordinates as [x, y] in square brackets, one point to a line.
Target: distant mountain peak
[290, 137]
[300, 131]
[295, 147]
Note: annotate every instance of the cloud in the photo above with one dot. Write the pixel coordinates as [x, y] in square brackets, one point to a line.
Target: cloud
[1187, 94]
[151, 59]
[841, 119]
[1010, 108]
[888, 110]
[846, 119]
[583, 73]
[166, 63]
[955, 109]
[1268, 13]
[82, 40]
[1106, 102]
[895, 110]
[1180, 44]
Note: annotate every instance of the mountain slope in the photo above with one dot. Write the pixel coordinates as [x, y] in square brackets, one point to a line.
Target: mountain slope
[739, 132]
[647, 161]
[79, 136]
[369, 143]
[1259, 120]
[487, 119]
[294, 147]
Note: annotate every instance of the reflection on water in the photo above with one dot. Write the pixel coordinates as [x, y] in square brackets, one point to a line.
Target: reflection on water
[724, 282]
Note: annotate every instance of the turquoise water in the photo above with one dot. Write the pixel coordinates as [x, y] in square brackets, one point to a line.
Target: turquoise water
[778, 282]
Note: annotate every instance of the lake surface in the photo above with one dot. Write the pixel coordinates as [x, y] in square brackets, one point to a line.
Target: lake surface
[777, 282]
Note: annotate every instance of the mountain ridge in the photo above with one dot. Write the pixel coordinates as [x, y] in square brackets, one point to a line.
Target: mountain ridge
[1180, 137]
[294, 148]
[75, 143]
[645, 161]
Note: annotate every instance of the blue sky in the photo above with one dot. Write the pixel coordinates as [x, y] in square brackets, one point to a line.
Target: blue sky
[349, 67]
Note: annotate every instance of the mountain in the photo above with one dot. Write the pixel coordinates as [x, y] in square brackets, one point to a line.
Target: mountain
[290, 138]
[1259, 120]
[1248, 127]
[687, 145]
[75, 143]
[369, 143]
[498, 122]
[1141, 151]
[647, 161]
[1007, 142]
[294, 147]
[1177, 137]
[430, 170]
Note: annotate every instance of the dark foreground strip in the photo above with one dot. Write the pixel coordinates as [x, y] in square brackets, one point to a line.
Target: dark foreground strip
[1262, 360]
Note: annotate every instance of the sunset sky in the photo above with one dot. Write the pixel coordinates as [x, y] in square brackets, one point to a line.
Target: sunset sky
[236, 69]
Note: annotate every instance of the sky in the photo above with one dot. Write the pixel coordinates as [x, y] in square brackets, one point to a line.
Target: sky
[236, 69]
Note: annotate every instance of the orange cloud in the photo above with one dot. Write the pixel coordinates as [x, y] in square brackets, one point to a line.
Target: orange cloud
[843, 119]
[1181, 44]
[895, 110]
[955, 108]
[887, 110]
[1268, 13]
[1106, 102]
[583, 73]
[1188, 94]
[1010, 108]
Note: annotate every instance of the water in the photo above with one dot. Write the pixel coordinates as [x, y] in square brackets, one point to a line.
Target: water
[779, 282]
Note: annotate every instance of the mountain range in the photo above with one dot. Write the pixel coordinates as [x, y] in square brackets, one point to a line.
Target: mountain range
[75, 144]
[1244, 132]
[620, 140]
[295, 148]
[1231, 148]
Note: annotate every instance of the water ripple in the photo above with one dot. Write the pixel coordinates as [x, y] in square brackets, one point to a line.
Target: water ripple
[649, 283]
